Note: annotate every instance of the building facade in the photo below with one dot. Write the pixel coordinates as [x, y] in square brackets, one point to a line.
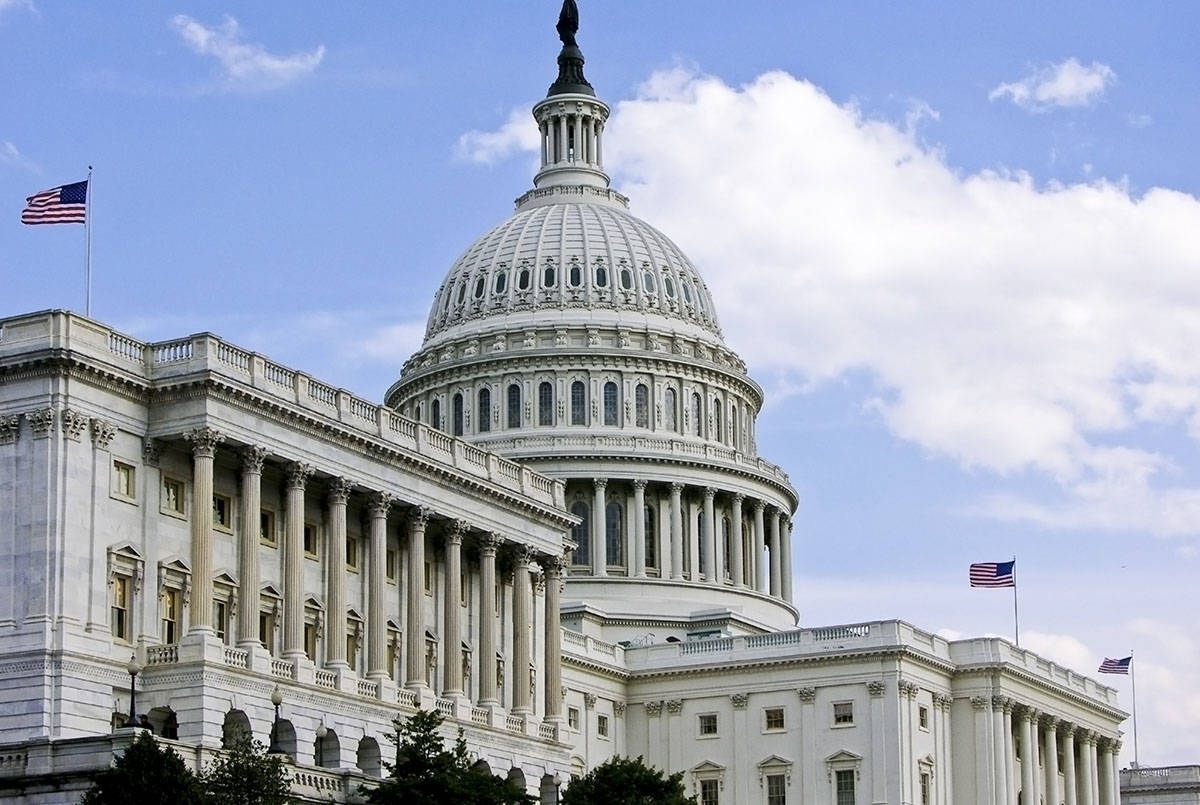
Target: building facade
[557, 531]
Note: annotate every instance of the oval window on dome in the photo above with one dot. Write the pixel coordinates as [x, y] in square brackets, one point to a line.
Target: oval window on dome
[649, 282]
[548, 277]
[523, 279]
[576, 275]
[700, 301]
[601, 277]
[626, 279]
[462, 293]
[687, 291]
[479, 286]
[669, 286]
[501, 284]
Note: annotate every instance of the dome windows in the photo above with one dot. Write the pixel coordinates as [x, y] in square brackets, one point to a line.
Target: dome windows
[614, 538]
[626, 279]
[514, 405]
[578, 403]
[601, 276]
[435, 414]
[462, 294]
[457, 415]
[546, 403]
[669, 286]
[523, 279]
[641, 405]
[611, 404]
[687, 291]
[501, 283]
[670, 418]
[480, 284]
[549, 276]
[575, 275]
[649, 282]
[484, 410]
[697, 415]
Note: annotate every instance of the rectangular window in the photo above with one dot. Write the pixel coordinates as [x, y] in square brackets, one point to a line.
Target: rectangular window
[389, 563]
[602, 726]
[844, 786]
[351, 553]
[124, 476]
[170, 616]
[310, 641]
[266, 528]
[708, 724]
[310, 540]
[923, 717]
[351, 650]
[709, 793]
[843, 712]
[925, 788]
[573, 717]
[428, 578]
[266, 631]
[221, 620]
[173, 497]
[463, 593]
[121, 592]
[776, 789]
[222, 512]
[774, 718]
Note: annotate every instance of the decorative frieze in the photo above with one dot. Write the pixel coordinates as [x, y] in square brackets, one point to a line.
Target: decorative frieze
[654, 708]
[675, 706]
[807, 695]
[41, 421]
[739, 700]
[74, 424]
[102, 433]
[876, 688]
[10, 428]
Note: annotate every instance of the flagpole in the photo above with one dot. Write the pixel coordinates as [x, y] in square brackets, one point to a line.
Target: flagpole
[1133, 688]
[87, 271]
[1016, 622]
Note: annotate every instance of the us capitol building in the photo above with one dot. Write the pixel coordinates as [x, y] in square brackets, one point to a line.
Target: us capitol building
[557, 531]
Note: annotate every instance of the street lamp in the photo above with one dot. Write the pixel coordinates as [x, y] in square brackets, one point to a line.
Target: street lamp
[558, 781]
[322, 731]
[276, 699]
[134, 668]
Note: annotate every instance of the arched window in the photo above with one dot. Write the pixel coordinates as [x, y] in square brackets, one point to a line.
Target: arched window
[687, 291]
[611, 404]
[435, 414]
[701, 543]
[548, 276]
[601, 277]
[582, 534]
[641, 404]
[613, 533]
[670, 421]
[483, 411]
[514, 405]
[726, 546]
[578, 403]
[523, 279]
[456, 414]
[575, 275]
[501, 282]
[546, 404]
[651, 545]
[697, 415]
[718, 419]
[417, 412]
[462, 294]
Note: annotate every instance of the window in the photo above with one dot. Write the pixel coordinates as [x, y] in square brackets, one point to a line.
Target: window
[173, 497]
[266, 528]
[310, 641]
[649, 282]
[650, 548]
[123, 477]
[462, 293]
[170, 617]
[573, 717]
[687, 291]
[310, 540]
[514, 406]
[435, 414]
[548, 276]
[709, 792]
[501, 282]
[626, 278]
[923, 717]
[610, 403]
[266, 630]
[523, 279]
[389, 563]
[575, 275]
[776, 789]
[844, 786]
[220, 620]
[641, 404]
[581, 533]
[725, 547]
[480, 284]
[670, 420]
[613, 534]
[718, 419]
[708, 724]
[601, 277]
[697, 415]
[774, 718]
[222, 512]
[602, 726]
[483, 411]
[843, 713]
[669, 286]
[456, 414]
[545, 404]
[578, 403]
[351, 553]
[926, 785]
[351, 648]
[122, 600]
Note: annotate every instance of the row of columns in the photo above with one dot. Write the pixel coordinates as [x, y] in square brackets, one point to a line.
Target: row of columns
[204, 443]
[1089, 760]
[559, 131]
[771, 537]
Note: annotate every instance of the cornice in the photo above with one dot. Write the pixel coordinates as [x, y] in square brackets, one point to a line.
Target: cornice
[994, 670]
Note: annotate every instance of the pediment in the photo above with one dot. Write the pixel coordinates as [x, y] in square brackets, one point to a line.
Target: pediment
[176, 564]
[314, 602]
[708, 766]
[844, 756]
[354, 615]
[773, 761]
[226, 578]
[127, 551]
[271, 591]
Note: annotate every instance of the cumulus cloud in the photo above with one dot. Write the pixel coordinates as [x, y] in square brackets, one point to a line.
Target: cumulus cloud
[1066, 84]
[244, 65]
[518, 134]
[12, 157]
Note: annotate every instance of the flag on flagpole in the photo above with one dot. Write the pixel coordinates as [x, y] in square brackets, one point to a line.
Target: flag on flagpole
[993, 574]
[1110, 666]
[66, 204]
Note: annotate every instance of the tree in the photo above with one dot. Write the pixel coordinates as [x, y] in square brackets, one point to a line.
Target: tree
[147, 773]
[628, 781]
[245, 774]
[427, 773]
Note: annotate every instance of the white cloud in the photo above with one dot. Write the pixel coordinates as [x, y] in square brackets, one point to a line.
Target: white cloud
[245, 65]
[1068, 83]
[518, 134]
[11, 156]
[12, 5]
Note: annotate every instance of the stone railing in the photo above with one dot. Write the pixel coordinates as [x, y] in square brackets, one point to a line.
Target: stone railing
[162, 655]
[479, 715]
[407, 698]
[237, 657]
[368, 688]
[444, 706]
[1160, 777]
[281, 668]
[514, 723]
[325, 679]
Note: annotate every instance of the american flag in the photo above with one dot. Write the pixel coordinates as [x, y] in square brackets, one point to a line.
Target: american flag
[59, 205]
[993, 574]
[1110, 666]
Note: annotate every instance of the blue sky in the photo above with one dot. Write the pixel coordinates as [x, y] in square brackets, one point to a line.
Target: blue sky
[957, 246]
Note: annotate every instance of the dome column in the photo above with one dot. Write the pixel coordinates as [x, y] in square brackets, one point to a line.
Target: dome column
[737, 548]
[711, 563]
[639, 528]
[760, 561]
[599, 529]
[676, 531]
[775, 555]
[785, 557]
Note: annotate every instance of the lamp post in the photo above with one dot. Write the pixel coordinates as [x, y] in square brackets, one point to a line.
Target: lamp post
[558, 781]
[322, 731]
[134, 668]
[276, 699]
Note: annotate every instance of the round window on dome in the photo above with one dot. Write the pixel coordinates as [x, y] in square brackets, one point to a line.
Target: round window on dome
[501, 282]
[601, 277]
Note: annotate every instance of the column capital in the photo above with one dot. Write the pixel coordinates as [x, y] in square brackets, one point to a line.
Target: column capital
[676, 488]
[339, 490]
[253, 457]
[1047, 721]
[759, 506]
[981, 702]
[103, 433]
[418, 517]
[738, 498]
[554, 565]
[709, 493]
[807, 694]
[523, 556]
[489, 543]
[1066, 729]
[909, 689]
[942, 701]
[1001, 702]
[600, 483]
[204, 441]
[298, 474]
[876, 687]
[454, 534]
[639, 483]
[380, 502]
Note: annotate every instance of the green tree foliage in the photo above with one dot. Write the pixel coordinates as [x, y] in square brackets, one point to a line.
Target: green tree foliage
[427, 773]
[245, 774]
[628, 781]
[145, 773]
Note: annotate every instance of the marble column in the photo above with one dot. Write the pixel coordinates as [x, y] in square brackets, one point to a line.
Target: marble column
[785, 557]
[522, 632]
[554, 566]
[639, 528]
[1050, 757]
[676, 531]
[562, 138]
[452, 670]
[335, 574]
[1010, 753]
[776, 564]
[377, 665]
[761, 581]
[204, 448]
[488, 543]
[999, 749]
[599, 528]
[1070, 790]
[985, 778]
[1087, 746]
[1104, 776]
[1028, 758]
[1034, 752]
[293, 560]
[737, 550]
[710, 538]
[414, 627]
[248, 570]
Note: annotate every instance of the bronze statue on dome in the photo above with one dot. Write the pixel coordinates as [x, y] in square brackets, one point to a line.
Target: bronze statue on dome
[568, 23]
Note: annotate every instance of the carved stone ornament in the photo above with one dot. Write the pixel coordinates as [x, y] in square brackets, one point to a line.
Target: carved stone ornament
[74, 424]
[623, 339]
[739, 700]
[298, 474]
[589, 700]
[378, 503]
[253, 457]
[204, 441]
[560, 338]
[942, 700]
[980, 702]
[10, 428]
[909, 689]
[876, 688]
[530, 339]
[488, 543]
[339, 490]
[418, 517]
[675, 706]
[654, 708]
[807, 694]
[150, 451]
[102, 433]
[500, 344]
[41, 421]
